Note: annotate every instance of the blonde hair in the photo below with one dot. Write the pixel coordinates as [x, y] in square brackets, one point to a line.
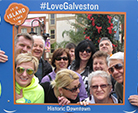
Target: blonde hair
[63, 78]
[27, 57]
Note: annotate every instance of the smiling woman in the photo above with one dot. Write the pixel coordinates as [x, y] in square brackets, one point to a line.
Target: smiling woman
[100, 88]
[83, 60]
[65, 88]
[61, 60]
[27, 88]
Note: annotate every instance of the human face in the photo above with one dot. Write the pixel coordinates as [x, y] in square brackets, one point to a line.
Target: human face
[69, 94]
[61, 64]
[99, 63]
[24, 79]
[106, 47]
[118, 74]
[23, 46]
[85, 56]
[72, 53]
[38, 48]
[101, 94]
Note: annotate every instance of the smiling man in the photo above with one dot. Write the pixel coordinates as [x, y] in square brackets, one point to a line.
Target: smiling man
[23, 43]
[116, 69]
[38, 49]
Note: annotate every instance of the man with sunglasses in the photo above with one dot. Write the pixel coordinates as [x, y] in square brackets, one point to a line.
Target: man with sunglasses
[115, 68]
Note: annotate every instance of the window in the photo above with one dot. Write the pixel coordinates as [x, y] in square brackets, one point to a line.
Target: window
[37, 30]
[52, 48]
[24, 30]
[52, 19]
[52, 32]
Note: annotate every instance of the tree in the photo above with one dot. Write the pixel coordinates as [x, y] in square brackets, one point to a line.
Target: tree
[96, 26]
[76, 35]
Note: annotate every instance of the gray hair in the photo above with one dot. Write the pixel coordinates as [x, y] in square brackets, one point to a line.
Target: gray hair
[99, 73]
[118, 55]
[41, 38]
[105, 38]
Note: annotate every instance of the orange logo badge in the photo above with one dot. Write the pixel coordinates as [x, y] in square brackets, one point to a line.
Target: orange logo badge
[16, 14]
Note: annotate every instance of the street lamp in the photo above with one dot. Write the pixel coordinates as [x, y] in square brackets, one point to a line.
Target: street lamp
[42, 27]
[32, 29]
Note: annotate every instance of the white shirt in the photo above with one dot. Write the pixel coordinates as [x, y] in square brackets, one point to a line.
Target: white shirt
[92, 101]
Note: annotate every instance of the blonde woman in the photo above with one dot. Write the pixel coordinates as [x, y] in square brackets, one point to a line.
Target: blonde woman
[27, 86]
[64, 89]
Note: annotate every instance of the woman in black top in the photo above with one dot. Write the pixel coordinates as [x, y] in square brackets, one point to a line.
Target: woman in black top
[64, 88]
[83, 60]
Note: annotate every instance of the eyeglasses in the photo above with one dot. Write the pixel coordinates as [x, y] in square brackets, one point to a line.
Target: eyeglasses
[73, 89]
[87, 50]
[117, 67]
[59, 58]
[20, 70]
[101, 86]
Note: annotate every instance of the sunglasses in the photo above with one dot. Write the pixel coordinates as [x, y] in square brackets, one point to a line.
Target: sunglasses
[102, 86]
[20, 70]
[73, 89]
[59, 58]
[117, 67]
[87, 50]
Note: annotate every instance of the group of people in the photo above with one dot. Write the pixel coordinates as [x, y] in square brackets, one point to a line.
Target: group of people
[77, 74]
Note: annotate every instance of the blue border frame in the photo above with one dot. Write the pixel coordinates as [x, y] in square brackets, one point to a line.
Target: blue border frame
[6, 44]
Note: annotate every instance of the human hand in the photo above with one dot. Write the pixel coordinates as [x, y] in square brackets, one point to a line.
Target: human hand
[133, 99]
[84, 103]
[18, 96]
[63, 101]
[3, 57]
